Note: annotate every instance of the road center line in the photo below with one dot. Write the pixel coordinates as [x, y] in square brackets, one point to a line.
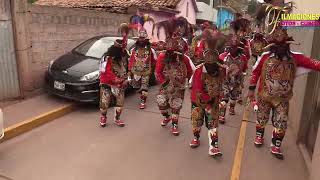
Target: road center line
[236, 169]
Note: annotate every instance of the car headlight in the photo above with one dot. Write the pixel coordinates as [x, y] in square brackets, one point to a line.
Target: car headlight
[49, 66]
[91, 76]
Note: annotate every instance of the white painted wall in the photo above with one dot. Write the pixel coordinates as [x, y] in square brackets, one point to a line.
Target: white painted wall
[182, 7]
[206, 12]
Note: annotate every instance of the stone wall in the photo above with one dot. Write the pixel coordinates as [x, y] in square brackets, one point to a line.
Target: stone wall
[52, 31]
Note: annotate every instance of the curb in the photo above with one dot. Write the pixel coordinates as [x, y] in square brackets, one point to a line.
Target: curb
[28, 125]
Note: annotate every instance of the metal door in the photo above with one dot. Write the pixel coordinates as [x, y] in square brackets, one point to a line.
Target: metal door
[9, 82]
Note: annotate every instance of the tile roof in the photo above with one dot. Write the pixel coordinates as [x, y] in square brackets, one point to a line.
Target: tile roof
[119, 6]
[157, 3]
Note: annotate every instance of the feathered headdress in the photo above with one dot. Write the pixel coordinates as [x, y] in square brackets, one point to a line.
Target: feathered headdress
[258, 43]
[124, 30]
[216, 43]
[213, 47]
[138, 21]
[173, 29]
[270, 14]
[240, 25]
[171, 26]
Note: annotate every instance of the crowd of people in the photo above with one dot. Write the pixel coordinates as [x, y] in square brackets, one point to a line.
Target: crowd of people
[214, 64]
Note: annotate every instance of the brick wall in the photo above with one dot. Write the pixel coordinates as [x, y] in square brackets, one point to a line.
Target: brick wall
[54, 31]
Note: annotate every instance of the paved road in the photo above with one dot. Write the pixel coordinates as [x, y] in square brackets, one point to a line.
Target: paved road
[74, 147]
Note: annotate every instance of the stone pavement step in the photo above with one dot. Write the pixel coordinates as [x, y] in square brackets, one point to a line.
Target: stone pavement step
[31, 113]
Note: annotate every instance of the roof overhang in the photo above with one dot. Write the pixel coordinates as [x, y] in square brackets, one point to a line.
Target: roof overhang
[194, 2]
[155, 9]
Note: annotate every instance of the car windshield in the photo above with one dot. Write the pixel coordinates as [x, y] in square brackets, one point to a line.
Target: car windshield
[97, 47]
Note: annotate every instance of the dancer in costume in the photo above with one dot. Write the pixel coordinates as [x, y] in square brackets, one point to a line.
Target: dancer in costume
[276, 71]
[257, 44]
[172, 69]
[141, 64]
[241, 28]
[113, 82]
[207, 33]
[205, 95]
[236, 62]
[113, 77]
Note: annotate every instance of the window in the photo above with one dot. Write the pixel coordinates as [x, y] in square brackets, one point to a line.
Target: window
[96, 47]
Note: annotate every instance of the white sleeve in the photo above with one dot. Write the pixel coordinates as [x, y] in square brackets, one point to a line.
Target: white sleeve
[193, 67]
[301, 71]
[154, 54]
[190, 81]
[103, 64]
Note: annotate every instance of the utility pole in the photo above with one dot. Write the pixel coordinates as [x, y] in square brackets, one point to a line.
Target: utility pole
[220, 18]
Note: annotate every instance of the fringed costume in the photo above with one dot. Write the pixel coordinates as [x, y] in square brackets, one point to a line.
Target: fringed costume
[205, 94]
[276, 71]
[173, 68]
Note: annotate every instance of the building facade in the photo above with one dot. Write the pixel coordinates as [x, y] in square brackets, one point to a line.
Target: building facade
[42, 32]
[305, 105]
[225, 16]
[207, 12]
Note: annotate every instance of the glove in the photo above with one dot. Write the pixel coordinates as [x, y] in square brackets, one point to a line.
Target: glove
[255, 106]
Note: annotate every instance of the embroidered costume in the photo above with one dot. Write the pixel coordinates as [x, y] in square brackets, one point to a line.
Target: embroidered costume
[114, 76]
[236, 62]
[257, 45]
[141, 66]
[173, 68]
[113, 81]
[205, 95]
[276, 71]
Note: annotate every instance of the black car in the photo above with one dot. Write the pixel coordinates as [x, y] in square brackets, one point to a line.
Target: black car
[75, 75]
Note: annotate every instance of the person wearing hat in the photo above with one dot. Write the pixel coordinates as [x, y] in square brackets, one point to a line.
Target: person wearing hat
[198, 55]
[113, 81]
[141, 65]
[236, 62]
[205, 94]
[274, 73]
[173, 67]
[257, 44]
[241, 28]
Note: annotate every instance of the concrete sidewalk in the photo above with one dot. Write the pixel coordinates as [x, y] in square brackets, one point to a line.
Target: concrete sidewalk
[18, 112]
[31, 113]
